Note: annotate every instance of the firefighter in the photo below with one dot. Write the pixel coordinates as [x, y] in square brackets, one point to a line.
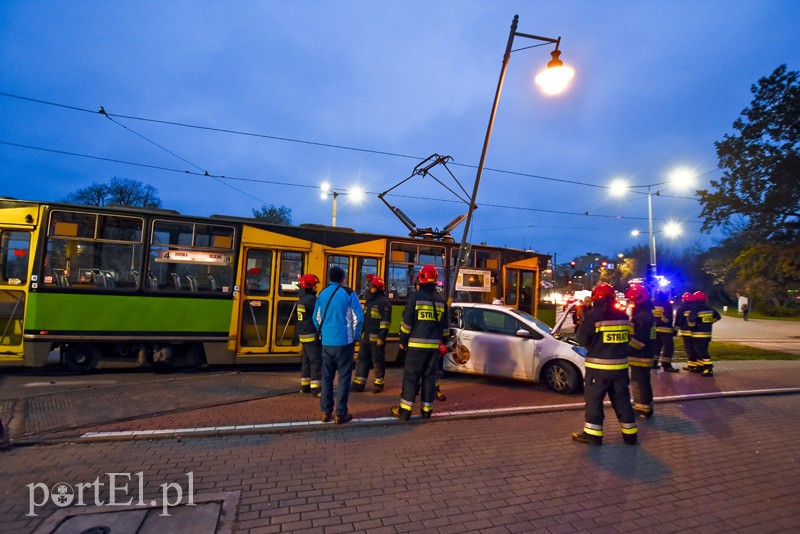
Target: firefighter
[664, 344]
[641, 359]
[441, 397]
[700, 320]
[606, 333]
[372, 352]
[311, 357]
[424, 328]
[681, 323]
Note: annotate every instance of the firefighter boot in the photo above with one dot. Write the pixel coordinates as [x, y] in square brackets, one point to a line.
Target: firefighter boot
[378, 388]
[708, 371]
[582, 437]
[669, 369]
[629, 439]
[441, 397]
[305, 388]
[357, 386]
[404, 414]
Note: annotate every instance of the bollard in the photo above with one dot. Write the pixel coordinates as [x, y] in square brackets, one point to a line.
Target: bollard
[5, 444]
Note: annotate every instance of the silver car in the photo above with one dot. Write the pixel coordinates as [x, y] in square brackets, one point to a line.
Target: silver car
[492, 340]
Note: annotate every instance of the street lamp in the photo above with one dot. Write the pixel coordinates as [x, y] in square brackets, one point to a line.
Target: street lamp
[552, 80]
[325, 189]
[619, 187]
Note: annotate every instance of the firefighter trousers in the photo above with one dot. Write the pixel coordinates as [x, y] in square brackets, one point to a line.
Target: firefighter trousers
[691, 353]
[642, 389]
[370, 355]
[311, 366]
[419, 374]
[615, 384]
[701, 351]
[666, 346]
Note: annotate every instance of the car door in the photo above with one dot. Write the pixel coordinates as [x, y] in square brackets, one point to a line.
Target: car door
[494, 348]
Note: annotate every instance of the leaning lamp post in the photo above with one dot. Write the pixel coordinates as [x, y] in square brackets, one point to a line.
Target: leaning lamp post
[551, 80]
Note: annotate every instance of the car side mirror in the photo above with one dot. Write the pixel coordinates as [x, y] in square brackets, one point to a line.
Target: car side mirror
[528, 334]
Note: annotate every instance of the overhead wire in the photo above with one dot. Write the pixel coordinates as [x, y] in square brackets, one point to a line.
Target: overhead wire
[302, 141]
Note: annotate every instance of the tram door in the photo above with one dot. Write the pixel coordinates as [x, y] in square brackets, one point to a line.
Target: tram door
[268, 302]
[520, 289]
[15, 248]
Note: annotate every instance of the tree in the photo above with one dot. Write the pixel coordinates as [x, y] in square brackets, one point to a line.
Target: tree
[118, 191]
[757, 200]
[761, 164]
[271, 214]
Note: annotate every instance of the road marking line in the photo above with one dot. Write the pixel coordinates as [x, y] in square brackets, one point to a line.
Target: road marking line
[70, 383]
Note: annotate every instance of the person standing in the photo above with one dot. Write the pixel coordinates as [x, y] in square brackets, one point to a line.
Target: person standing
[682, 324]
[641, 359]
[606, 333]
[311, 357]
[425, 326]
[700, 321]
[377, 319]
[745, 310]
[339, 318]
[664, 344]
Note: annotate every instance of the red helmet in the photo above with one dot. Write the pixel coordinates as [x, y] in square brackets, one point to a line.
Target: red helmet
[377, 282]
[603, 290]
[637, 294]
[699, 296]
[687, 297]
[428, 274]
[308, 281]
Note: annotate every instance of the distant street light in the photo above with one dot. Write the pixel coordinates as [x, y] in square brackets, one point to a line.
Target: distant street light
[552, 80]
[355, 193]
[680, 177]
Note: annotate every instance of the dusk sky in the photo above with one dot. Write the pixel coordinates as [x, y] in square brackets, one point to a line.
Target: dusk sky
[279, 97]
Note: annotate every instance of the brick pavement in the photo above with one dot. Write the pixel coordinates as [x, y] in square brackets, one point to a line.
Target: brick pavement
[727, 464]
[465, 393]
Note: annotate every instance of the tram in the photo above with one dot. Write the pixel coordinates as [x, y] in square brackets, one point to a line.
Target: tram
[123, 286]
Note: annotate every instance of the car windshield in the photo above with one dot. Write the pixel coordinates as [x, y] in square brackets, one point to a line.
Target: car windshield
[528, 317]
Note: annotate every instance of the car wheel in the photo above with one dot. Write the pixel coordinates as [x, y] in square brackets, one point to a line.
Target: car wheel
[562, 377]
[80, 358]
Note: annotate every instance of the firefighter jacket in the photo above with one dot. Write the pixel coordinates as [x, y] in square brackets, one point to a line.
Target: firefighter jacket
[701, 318]
[644, 334]
[425, 319]
[662, 311]
[377, 317]
[682, 318]
[305, 321]
[606, 333]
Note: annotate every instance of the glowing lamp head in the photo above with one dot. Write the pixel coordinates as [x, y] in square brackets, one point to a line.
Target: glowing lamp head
[555, 77]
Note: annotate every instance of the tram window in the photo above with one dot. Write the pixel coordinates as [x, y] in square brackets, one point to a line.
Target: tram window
[190, 257]
[253, 327]
[431, 256]
[258, 273]
[365, 267]
[285, 325]
[401, 280]
[511, 288]
[14, 256]
[339, 261]
[291, 271]
[87, 251]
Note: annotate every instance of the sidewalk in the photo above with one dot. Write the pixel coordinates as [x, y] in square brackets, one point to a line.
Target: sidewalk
[467, 396]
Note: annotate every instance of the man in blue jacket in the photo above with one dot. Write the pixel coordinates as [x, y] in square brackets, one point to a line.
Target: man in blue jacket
[339, 319]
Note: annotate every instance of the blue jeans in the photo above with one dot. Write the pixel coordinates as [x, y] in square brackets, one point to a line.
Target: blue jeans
[336, 359]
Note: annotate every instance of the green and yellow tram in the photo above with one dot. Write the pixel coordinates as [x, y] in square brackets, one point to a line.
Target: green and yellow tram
[120, 286]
